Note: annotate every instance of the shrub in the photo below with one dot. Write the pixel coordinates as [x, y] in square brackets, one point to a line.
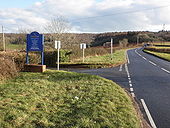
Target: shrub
[123, 43]
[7, 68]
[157, 49]
[50, 57]
[19, 58]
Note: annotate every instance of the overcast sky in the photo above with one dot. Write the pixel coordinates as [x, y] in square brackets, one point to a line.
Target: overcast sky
[87, 15]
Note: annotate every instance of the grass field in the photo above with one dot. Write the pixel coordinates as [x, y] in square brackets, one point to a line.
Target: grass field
[64, 100]
[102, 61]
[15, 47]
[165, 56]
[117, 57]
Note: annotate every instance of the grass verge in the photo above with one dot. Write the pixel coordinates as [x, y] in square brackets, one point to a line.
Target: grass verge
[118, 58]
[64, 100]
[165, 56]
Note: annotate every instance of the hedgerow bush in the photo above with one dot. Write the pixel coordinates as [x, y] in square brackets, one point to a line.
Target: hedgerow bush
[161, 50]
[50, 57]
[7, 68]
[19, 58]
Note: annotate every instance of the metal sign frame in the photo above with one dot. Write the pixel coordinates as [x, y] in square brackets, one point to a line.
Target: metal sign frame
[35, 42]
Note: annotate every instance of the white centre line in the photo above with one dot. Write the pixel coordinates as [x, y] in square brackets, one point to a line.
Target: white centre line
[165, 70]
[152, 63]
[144, 58]
[148, 114]
[130, 85]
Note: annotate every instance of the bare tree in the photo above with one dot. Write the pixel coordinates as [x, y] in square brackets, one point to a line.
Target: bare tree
[57, 27]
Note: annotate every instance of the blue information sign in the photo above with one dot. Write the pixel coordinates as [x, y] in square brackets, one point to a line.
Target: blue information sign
[35, 42]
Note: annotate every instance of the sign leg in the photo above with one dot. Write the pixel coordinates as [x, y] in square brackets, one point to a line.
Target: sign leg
[42, 58]
[27, 59]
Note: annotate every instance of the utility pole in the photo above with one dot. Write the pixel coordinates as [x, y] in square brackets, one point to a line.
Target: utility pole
[3, 39]
[111, 45]
[137, 39]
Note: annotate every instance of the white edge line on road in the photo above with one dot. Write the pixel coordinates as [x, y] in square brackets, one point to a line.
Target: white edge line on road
[148, 114]
[127, 57]
[133, 94]
[130, 85]
[120, 69]
[131, 89]
[152, 62]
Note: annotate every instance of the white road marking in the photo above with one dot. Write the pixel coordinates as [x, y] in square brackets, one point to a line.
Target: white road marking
[131, 89]
[130, 82]
[152, 63]
[120, 69]
[148, 114]
[144, 58]
[130, 85]
[127, 58]
[165, 70]
[133, 94]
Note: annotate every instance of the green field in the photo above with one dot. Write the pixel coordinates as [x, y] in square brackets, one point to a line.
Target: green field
[64, 100]
[118, 57]
[165, 56]
[15, 47]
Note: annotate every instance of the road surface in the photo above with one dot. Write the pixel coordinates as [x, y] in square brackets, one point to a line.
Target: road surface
[147, 78]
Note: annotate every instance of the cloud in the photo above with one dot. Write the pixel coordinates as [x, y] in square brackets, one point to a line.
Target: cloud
[91, 15]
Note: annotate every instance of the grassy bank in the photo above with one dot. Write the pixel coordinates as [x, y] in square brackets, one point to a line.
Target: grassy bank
[118, 57]
[63, 99]
[165, 56]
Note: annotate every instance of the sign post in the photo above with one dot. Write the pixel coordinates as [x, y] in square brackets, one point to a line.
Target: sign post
[35, 42]
[58, 46]
[83, 47]
[111, 45]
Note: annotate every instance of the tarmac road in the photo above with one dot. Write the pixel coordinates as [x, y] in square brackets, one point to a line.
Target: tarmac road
[147, 78]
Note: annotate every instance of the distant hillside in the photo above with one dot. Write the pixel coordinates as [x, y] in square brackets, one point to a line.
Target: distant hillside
[74, 39]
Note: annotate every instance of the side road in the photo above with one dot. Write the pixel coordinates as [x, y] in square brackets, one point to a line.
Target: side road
[147, 78]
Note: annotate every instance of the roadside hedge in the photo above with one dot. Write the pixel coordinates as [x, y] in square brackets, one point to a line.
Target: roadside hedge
[161, 50]
[50, 57]
[7, 68]
[19, 58]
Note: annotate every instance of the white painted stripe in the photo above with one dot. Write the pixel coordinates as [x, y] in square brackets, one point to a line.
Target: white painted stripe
[144, 58]
[130, 81]
[131, 89]
[165, 70]
[130, 85]
[127, 58]
[120, 69]
[148, 114]
[152, 63]
[133, 94]
[129, 78]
